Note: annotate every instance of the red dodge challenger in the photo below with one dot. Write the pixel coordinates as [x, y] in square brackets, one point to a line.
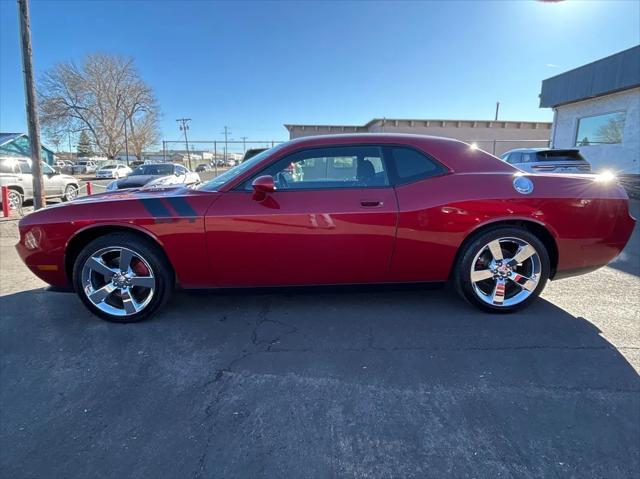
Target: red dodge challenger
[343, 209]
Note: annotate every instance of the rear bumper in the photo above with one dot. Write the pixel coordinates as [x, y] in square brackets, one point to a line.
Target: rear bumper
[583, 255]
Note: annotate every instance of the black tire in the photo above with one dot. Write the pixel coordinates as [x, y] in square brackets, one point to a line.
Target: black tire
[471, 247]
[146, 249]
[67, 192]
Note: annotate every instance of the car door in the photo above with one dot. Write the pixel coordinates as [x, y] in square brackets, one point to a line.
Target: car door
[25, 179]
[53, 182]
[331, 220]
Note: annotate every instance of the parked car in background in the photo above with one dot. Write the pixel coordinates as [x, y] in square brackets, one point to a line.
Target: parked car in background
[155, 175]
[202, 167]
[63, 166]
[251, 152]
[84, 167]
[353, 209]
[113, 171]
[15, 173]
[545, 160]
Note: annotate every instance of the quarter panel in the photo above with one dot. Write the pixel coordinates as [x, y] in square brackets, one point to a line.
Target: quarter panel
[586, 219]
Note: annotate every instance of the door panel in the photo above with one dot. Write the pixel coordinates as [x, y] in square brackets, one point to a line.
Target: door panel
[328, 236]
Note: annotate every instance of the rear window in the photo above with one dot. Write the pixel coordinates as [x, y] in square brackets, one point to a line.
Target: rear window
[412, 165]
[559, 155]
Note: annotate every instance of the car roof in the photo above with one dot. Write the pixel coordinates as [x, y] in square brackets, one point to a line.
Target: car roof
[455, 155]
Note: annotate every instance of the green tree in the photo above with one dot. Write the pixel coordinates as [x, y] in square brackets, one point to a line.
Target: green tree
[84, 145]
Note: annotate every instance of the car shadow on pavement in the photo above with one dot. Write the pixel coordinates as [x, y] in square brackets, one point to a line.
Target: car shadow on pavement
[327, 383]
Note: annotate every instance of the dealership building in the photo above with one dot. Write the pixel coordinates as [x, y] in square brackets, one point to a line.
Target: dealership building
[597, 110]
[493, 136]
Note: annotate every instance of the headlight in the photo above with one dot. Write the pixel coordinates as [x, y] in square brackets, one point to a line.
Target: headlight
[32, 239]
[112, 186]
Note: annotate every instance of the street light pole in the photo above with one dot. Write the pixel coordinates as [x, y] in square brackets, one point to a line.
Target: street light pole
[30, 97]
[184, 126]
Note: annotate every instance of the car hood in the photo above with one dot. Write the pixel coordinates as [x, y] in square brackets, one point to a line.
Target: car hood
[138, 180]
[134, 194]
[113, 207]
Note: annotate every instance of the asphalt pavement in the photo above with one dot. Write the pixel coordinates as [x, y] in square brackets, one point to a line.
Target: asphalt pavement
[369, 382]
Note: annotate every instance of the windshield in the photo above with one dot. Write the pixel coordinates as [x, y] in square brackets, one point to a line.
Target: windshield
[155, 170]
[218, 181]
[109, 167]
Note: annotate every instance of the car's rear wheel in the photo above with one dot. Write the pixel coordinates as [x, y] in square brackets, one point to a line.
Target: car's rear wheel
[502, 270]
[122, 277]
[70, 193]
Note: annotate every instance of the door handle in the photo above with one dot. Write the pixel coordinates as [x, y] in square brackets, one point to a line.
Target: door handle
[371, 203]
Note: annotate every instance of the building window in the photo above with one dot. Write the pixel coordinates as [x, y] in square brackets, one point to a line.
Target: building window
[601, 129]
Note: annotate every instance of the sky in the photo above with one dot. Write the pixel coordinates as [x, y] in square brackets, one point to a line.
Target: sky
[254, 66]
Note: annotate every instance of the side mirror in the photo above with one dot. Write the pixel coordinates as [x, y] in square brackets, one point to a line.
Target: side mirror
[262, 186]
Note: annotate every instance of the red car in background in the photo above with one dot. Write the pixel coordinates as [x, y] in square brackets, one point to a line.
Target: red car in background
[344, 209]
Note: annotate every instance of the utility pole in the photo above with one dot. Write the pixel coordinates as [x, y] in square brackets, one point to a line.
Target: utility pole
[244, 144]
[126, 142]
[30, 96]
[497, 110]
[226, 139]
[70, 153]
[184, 126]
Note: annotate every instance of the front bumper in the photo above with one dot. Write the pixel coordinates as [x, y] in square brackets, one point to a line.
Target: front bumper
[46, 259]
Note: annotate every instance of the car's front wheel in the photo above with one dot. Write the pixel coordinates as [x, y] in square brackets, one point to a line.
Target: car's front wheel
[122, 277]
[503, 269]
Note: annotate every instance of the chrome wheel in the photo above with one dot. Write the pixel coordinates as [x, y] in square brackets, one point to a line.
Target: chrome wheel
[15, 200]
[118, 281]
[70, 193]
[505, 272]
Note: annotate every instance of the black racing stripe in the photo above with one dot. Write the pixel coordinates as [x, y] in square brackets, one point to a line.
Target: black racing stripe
[155, 208]
[181, 206]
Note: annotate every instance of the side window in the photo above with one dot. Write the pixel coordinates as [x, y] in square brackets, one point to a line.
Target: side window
[46, 169]
[181, 170]
[528, 157]
[515, 158]
[25, 167]
[9, 166]
[412, 165]
[333, 167]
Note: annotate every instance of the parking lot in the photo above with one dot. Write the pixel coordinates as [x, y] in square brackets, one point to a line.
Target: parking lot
[368, 382]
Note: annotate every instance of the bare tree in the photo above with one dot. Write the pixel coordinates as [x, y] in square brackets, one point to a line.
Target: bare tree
[98, 96]
[143, 132]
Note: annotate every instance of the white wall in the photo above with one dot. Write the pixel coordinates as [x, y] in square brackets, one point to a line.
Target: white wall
[621, 158]
[492, 136]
